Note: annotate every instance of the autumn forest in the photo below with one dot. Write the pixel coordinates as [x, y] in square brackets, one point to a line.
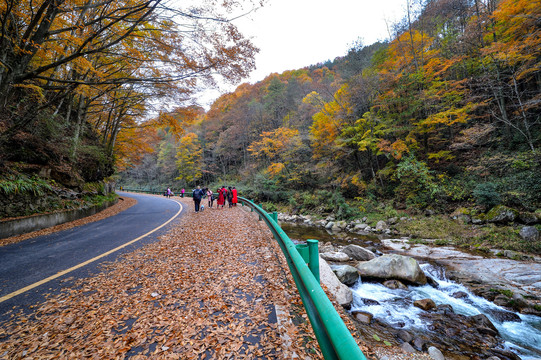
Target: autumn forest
[445, 114]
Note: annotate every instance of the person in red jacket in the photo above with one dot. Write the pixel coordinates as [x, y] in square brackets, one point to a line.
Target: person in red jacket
[235, 199]
[221, 197]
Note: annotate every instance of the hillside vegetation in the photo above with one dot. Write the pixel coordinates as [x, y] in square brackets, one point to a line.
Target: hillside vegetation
[445, 115]
[77, 79]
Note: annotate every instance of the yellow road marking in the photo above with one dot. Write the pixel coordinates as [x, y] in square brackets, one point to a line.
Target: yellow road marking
[64, 272]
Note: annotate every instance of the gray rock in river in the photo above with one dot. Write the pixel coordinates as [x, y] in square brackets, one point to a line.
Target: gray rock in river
[388, 267]
[346, 274]
[356, 252]
[335, 256]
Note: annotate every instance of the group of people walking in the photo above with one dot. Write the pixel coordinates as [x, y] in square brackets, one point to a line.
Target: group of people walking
[222, 195]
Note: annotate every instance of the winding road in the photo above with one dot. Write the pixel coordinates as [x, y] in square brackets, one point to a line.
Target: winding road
[32, 268]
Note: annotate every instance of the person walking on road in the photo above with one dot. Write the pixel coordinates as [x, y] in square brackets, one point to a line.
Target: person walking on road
[210, 197]
[230, 197]
[197, 196]
[235, 198]
[221, 197]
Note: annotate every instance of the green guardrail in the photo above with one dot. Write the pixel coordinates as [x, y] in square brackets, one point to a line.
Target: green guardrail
[334, 338]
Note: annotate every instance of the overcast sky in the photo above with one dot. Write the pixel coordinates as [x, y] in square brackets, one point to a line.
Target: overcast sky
[292, 34]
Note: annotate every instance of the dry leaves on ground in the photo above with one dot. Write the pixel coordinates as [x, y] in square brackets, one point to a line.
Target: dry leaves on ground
[205, 290]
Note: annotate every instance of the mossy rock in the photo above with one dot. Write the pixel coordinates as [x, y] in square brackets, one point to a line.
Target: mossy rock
[501, 214]
[461, 211]
[538, 214]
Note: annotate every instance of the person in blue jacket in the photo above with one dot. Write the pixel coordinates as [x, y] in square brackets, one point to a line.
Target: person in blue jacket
[197, 196]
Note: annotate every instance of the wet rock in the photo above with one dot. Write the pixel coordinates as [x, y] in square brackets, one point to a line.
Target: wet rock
[425, 304]
[484, 325]
[502, 315]
[408, 348]
[329, 225]
[445, 309]
[404, 336]
[430, 281]
[459, 295]
[419, 344]
[346, 274]
[362, 316]
[501, 214]
[529, 233]
[435, 353]
[356, 252]
[389, 267]
[334, 256]
[394, 220]
[394, 284]
[341, 292]
[501, 300]
[370, 302]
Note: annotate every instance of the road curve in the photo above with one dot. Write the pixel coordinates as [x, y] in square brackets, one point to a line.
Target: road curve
[44, 261]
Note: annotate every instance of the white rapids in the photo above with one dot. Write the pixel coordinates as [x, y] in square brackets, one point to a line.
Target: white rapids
[396, 308]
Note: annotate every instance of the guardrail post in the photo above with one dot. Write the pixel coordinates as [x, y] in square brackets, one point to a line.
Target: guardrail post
[303, 251]
[261, 206]
[274, 216]
[313, 257]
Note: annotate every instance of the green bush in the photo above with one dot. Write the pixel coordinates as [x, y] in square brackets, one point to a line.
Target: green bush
[23, 184]
[486, 194]
[417, 184]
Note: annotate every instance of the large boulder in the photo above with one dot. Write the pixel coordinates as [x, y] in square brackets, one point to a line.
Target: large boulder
[356, 252]
[388, 267]
[501, 214]
[336, 256]
[346, 274]
[529, 233]
[341, 292]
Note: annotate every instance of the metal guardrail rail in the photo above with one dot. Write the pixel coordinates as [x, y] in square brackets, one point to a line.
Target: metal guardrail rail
[334, 338]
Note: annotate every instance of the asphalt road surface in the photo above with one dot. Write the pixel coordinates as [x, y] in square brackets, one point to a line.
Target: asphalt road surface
[34, 267]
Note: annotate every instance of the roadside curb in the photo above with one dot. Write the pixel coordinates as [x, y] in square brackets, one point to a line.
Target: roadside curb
[24, 225]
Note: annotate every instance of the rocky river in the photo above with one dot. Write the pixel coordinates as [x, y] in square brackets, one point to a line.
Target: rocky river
[468, 306]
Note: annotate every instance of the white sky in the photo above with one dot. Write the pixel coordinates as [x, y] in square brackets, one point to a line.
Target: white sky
[292, 34]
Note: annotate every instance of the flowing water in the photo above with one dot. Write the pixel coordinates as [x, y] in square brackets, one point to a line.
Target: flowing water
[395, 307]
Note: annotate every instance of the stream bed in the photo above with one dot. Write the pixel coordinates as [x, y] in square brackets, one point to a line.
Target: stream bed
[394, 307]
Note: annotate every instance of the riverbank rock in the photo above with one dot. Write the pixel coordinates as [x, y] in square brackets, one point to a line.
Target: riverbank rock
[347, 274]
[394, 284]
[336, 256]
[356, 252]
[341, 292]
[501, 215]
[381, 226]
[362, 316]
[435, 353]
[529, 233]
[424, 304]
[389, 267]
